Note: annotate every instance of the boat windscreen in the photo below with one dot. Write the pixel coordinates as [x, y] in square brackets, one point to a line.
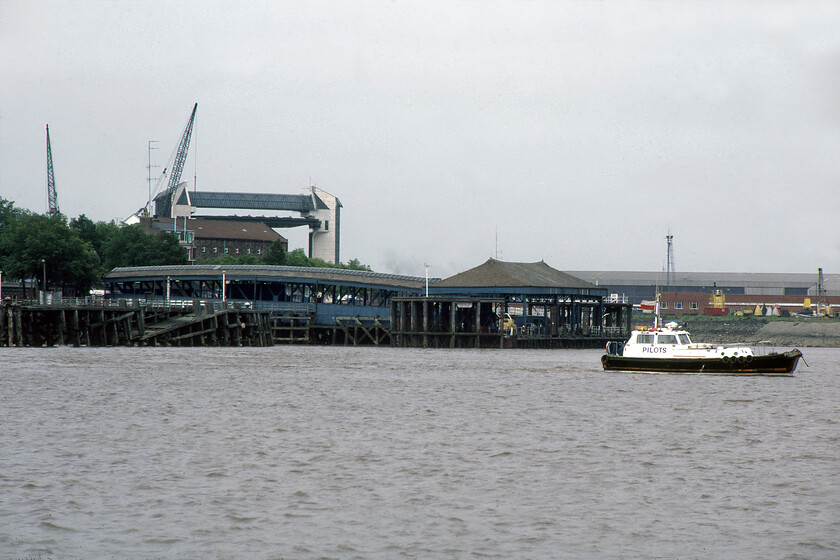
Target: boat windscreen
[666, 339]
[684, 339]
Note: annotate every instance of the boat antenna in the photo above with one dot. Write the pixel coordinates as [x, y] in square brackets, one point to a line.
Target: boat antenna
[670, 256]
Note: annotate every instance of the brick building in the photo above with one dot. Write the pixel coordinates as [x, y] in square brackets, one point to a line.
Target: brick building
[698, 303]
[206, 239]
[226, 237]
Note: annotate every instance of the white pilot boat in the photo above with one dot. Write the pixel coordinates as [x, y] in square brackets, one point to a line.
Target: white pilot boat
[670, 350]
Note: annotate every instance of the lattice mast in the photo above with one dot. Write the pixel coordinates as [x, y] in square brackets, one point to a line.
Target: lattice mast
[52, 199]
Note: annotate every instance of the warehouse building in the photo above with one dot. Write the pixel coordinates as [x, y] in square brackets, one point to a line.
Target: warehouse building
[638, 286]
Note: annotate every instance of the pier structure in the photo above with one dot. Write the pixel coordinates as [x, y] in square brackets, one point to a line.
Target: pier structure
[82, 322]
[509, 304]
[496, 305]
[302, 304]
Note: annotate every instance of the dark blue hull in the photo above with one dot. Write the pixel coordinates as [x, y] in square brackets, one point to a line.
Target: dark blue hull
[770, 364]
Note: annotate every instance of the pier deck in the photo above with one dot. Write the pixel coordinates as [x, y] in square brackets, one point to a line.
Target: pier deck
[184, 323]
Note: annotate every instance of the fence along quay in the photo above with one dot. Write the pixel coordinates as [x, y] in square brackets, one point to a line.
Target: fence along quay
[242, 305]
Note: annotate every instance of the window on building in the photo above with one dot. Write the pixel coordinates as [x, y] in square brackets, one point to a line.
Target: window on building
[215, 250]
[249, 250]
[259, 251]
[677, 305]
[227, 250]
[692, 305]
[663, 305]
[326, 225]
[204, 249]
[237, 250]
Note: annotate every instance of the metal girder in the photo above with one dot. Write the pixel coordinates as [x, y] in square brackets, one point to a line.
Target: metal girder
[270, 221]
[181, 154]
[51, 195]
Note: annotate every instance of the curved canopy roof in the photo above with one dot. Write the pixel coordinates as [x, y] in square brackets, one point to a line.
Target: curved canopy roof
[268, 273]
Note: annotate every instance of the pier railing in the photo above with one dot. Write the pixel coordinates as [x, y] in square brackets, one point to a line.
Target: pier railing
[172, 303]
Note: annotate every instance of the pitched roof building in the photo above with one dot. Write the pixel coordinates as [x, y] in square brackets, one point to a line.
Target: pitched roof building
[222, 237]
[551, 308]
[212, 238]
[501, 277]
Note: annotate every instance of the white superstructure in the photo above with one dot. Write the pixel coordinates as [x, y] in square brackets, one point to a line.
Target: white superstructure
[672, 342]
[325, 241]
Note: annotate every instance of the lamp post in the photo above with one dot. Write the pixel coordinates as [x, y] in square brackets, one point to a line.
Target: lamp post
[44, 264]
[224, 288]
[1, 287]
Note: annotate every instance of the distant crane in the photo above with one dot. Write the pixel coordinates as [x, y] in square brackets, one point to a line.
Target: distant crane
[820, 286]
[52, 199]
[177, 167]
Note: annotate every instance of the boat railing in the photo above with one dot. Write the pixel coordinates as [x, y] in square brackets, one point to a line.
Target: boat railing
[763, 347]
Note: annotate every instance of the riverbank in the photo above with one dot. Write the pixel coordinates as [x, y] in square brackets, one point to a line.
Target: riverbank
[823, 333]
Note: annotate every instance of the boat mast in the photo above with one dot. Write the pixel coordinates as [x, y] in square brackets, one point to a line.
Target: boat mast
[656, 311]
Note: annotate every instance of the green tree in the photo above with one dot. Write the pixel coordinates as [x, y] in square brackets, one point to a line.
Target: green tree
[32, 244]
[297, 258]
[276, 254]
[354, 264]
[8, 212]
[130, 246]
[95, 233]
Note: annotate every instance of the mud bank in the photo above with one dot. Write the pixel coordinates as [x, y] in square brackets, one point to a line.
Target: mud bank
[801, 334]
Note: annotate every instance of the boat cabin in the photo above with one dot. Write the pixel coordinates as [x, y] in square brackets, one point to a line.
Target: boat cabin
[653, 337]
[672, 342]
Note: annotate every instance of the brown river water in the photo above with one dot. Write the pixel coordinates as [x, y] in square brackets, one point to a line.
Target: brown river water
[334, 452]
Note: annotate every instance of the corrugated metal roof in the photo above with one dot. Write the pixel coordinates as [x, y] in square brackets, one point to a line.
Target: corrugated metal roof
[497, 274]
[253, 201]
[721, 279]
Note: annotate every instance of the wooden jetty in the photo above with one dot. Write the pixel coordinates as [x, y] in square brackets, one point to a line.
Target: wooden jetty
[475, 322]
[495, 305]
[133, 323]
[430, 324]
[127, 324]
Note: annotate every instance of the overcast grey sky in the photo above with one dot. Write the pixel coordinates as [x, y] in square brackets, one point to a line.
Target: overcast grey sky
[579, 133]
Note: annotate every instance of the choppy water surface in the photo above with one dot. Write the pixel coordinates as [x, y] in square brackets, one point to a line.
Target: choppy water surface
[322, 452]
